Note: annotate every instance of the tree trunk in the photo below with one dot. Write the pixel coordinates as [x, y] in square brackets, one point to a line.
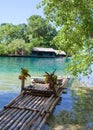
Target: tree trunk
[22, 84]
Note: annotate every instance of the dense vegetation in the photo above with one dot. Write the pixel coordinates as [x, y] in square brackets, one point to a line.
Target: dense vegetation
[74, 19]
[20, 39]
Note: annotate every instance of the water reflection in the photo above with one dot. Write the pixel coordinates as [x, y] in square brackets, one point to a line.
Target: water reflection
[75, 113]
[83, 107]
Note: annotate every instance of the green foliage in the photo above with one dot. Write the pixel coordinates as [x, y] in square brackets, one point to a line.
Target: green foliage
[3, 49]
[18, 47]
[51, 79]
[9, 32]
[20, 39]
[35, 26]
[36, 41]
[81, 63]
[38, 29]
[24, 74]
[74, 19]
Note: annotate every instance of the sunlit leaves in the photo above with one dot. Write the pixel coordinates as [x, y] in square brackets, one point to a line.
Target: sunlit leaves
[81, 63]
[74, 19]
[18, 47]
[24, 74]
[3, 49]
[20, 39]
[40, 31]
[9, 32]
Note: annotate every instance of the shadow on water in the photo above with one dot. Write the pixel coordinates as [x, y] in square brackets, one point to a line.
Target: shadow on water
[74, 111]
[6, 95]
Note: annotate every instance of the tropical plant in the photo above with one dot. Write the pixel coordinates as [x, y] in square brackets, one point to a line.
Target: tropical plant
[51, 79]
[23, 76]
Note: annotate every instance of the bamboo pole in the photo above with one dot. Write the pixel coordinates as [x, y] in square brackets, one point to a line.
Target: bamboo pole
[31, 101]
[30, 121]
[19, 101]
[18, 122]
[16, 117]
[25, 110]
[43, 121]
[22, 84]
[35, 126]
[5, 121]
[22, 120]
[2, 112]
[5, 114]
[22, 101]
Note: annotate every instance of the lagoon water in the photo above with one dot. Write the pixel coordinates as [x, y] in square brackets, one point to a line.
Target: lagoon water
[67, 114]
[10, 68]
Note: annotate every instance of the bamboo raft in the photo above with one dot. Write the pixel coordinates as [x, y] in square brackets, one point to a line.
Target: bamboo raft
[31, 109]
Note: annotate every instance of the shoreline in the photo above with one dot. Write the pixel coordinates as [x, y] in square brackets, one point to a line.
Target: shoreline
[29, 56]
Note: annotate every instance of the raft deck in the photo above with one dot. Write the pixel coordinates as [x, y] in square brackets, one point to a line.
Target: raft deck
[30, 110]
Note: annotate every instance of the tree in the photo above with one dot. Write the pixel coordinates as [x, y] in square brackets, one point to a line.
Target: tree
[40, 31]
[18, 47]
[36, 33]
[10, 32]
[74, 20]
[50, 33]
[36, 25]
[3, 49]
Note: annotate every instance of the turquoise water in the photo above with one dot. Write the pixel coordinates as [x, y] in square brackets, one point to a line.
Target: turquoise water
[73, 107]
[37, 66]
[10, 68]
